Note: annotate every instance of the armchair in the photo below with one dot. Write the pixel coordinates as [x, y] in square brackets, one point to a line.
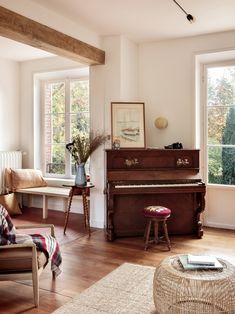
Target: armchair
[24, 261]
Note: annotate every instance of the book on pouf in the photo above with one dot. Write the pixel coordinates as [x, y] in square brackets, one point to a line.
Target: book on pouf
[191, 266]
[202, 259]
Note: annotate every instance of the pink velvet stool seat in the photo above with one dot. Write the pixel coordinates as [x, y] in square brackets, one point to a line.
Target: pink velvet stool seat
[156, 215]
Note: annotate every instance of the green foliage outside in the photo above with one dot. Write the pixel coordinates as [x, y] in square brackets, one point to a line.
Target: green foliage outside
[221, 126]
[58, 116]
[228, 153]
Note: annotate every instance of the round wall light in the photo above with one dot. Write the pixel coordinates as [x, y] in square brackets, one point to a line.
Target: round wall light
[161, 123]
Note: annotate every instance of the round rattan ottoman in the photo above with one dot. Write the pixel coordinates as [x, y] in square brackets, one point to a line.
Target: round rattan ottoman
[179, 291]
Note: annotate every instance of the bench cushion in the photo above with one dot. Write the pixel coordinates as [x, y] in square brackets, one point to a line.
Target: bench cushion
[23, 178]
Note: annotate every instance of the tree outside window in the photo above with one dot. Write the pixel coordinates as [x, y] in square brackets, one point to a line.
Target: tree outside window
[221, 125]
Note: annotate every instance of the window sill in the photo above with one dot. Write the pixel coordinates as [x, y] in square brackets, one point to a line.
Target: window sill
[220, 187]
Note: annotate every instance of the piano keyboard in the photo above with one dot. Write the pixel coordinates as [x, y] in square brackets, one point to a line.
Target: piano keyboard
[124, 186]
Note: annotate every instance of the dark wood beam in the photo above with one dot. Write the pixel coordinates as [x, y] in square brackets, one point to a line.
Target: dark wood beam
[30, 32]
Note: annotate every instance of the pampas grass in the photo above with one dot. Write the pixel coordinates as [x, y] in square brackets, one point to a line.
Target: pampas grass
[82, 146]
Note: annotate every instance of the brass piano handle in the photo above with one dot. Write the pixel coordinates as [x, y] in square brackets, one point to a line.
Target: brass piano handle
[131, 162]
[182, 162]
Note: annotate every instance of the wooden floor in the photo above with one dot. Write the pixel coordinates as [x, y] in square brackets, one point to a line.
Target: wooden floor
[86, 260]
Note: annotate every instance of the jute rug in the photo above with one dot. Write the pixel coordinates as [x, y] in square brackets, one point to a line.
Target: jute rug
[127, 289]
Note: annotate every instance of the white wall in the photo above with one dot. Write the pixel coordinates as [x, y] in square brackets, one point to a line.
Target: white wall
[129, 70]
[9, 105]
[220, 207]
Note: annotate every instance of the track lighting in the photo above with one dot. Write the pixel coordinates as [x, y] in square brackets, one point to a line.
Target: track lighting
[189, 17]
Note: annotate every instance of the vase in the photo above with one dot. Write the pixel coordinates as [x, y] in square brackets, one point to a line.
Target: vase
[80, 178]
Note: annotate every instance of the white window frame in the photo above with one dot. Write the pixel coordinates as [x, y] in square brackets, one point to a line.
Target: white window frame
[204, 118]
[68, 159]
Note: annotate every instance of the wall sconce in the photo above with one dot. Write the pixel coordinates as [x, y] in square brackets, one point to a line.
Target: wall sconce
[161, 123]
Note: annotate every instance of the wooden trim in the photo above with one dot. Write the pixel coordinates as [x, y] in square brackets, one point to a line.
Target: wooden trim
[30, 32]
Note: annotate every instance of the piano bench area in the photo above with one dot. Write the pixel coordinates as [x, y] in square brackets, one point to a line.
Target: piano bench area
[156, 215]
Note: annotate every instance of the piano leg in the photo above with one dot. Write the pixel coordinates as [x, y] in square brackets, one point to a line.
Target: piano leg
[110, 228]
[200, 209]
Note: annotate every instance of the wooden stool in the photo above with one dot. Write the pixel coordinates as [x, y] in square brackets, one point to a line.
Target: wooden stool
[156, 214]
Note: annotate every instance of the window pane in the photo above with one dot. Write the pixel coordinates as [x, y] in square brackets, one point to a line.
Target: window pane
[54, 129]
[221, 165]
[215, 165]
[66, 111]
[58, 97]
[216, 124]
[221, 126]
[221, 88]
[229, 129]
[79, 96]
[47, 105]
[58, 130]
[48, 127]
[79, 121]
[55, 159]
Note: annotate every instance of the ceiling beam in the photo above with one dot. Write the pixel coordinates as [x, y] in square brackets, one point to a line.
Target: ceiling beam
[30, 32]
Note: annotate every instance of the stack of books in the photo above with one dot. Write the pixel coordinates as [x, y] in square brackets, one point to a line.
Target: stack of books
[199, 262]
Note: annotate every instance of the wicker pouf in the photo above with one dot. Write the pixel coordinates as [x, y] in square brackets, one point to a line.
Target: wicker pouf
[179, 291]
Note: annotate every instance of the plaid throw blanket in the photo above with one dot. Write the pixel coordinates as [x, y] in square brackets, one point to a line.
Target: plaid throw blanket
[45, 243]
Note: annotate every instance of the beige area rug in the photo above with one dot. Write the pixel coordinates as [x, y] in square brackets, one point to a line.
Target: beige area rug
[128, 289]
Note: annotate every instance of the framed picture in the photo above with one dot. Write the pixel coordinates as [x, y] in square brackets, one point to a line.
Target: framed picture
[128, 124]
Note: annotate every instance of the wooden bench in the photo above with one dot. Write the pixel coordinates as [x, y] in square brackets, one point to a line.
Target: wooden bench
[46, 192]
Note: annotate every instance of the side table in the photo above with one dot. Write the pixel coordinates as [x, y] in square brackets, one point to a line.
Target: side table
[179, 291]
[83, 190]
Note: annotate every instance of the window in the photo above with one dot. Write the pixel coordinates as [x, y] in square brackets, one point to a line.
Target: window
[220, 118]
[65, 111]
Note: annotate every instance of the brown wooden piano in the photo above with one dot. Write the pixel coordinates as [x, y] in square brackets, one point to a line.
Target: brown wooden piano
[137, 178]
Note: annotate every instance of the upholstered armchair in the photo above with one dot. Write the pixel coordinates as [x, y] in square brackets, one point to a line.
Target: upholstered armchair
[24, 261]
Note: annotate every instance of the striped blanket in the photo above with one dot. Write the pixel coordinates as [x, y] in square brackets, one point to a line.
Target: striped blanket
[45, 243]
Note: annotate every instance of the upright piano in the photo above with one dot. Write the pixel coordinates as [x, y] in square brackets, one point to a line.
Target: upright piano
[137, 178]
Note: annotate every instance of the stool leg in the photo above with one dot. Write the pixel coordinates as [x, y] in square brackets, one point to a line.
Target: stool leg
[147, 233]
[166, 235]
[156, 232]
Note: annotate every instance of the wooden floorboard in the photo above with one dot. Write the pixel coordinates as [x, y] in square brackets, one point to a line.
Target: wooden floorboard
[86, 260]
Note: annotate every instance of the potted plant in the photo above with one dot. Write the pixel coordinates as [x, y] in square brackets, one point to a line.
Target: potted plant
[81, 148]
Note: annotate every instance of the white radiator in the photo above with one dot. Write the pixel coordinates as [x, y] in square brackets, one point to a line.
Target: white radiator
[9, 160]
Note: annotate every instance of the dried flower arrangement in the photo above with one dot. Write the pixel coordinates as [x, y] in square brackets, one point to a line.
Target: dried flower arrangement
[82, 146]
